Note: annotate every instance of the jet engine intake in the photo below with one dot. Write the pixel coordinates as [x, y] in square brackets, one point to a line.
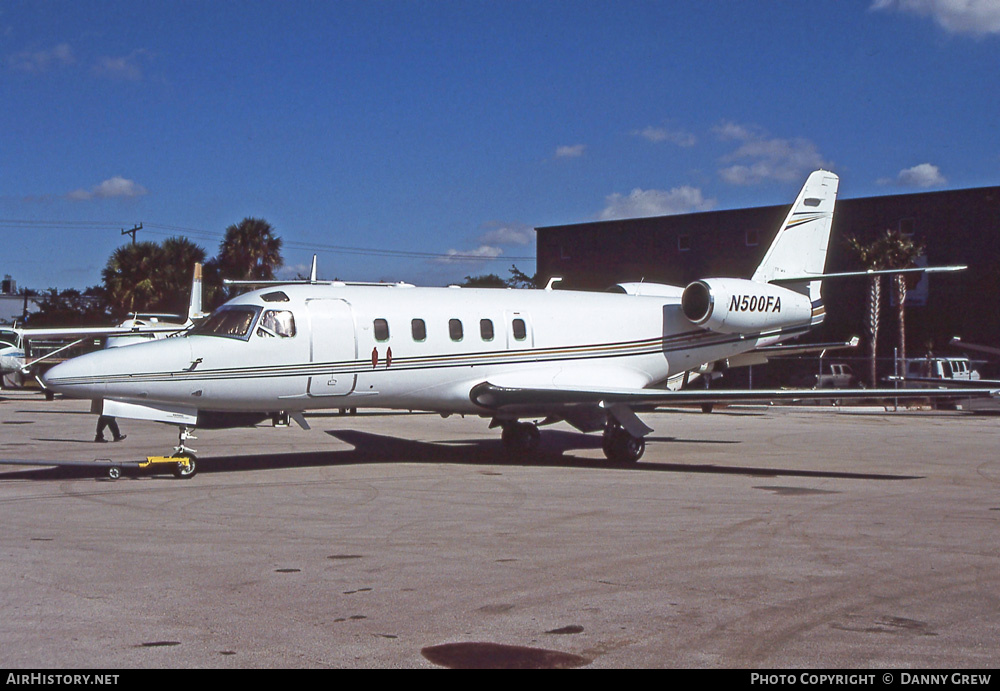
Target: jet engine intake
[736, 305]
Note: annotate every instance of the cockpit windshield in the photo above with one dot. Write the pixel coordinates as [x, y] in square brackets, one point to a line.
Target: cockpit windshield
[228, 322]
[8, 338]
[278, 323]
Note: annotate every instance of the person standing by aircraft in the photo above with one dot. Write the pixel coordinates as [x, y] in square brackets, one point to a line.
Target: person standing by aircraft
[104, 422]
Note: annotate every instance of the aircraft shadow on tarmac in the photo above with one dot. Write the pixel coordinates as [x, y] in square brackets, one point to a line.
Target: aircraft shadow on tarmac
[556, 451]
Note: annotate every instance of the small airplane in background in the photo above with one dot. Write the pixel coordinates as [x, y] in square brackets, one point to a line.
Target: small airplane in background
[137, 328]
[590, 359]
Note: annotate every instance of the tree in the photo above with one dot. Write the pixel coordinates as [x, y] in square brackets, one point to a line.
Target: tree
[484, 281]
[901, 252]
[70, 307]
[179, 257]
[132, 278]
[518, 279]
[250, 251]
[147, 277]
[890, 250]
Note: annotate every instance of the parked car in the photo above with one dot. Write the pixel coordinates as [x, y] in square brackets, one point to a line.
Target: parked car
[959, 368]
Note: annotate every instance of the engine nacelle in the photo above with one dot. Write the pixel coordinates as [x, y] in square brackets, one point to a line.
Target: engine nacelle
[736, 305]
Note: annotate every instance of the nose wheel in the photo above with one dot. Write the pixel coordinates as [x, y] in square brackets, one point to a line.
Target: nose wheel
[183, 451]
[186, 465]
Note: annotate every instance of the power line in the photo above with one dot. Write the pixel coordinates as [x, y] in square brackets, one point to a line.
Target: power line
[207, 235]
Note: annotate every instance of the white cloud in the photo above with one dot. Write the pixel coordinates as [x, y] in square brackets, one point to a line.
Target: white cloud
[640, 203]
[574, 151]
[923, 175]
[116, 187]
[760, 158]
[126, 67]
[36, 62]
[658, 135]
[480, 254]
[508, 234]
[976, 17]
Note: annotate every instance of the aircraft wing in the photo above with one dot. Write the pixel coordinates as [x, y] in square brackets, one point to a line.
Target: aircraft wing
[962, 384]
[500, 398]
[95, 331]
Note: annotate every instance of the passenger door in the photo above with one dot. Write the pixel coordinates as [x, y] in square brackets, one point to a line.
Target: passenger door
[333, 345]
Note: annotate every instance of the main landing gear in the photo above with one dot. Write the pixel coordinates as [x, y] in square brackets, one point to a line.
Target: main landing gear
[620, 446]
[522, 439]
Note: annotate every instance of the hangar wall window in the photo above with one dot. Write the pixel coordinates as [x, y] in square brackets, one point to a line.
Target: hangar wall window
[908, 226]
[519, 329]
[486, 329]
[381, 330]
[455, 329]
[419, 330]
[752, 238]
[683, 243]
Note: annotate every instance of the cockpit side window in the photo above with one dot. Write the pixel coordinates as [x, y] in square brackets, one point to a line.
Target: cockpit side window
[276, 323]
[8, 338]
[228, 322]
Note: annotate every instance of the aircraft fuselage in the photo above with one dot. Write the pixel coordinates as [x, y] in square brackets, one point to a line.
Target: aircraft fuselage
[400, 347]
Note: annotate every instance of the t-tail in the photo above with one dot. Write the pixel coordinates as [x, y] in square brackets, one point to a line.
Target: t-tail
[194, 306]
[799, 249]
[783, 295]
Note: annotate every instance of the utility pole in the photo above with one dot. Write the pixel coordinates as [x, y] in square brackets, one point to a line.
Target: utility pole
[132, 232]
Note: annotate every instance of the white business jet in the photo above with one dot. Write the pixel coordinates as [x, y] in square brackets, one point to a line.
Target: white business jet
[590, 359]
[137, 328]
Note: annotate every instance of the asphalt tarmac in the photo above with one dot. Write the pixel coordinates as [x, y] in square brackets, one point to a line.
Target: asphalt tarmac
[750, 537]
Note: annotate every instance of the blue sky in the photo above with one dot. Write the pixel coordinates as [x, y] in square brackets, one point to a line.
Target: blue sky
[431, 137]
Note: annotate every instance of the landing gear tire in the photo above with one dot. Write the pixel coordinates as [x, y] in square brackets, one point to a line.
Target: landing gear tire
[621, 447]
[114, 472]
[520, 438]
[182, 471]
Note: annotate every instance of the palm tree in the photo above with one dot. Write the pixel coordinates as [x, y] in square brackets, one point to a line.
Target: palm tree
[901, 252]
[250, 251]
[889, 250]
[132, 278]
[179, 257]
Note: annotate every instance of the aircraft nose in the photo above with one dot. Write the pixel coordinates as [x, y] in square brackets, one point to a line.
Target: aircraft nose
[78, 377]
[118, 372]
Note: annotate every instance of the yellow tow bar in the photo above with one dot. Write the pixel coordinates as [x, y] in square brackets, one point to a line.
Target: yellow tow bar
[183, 466]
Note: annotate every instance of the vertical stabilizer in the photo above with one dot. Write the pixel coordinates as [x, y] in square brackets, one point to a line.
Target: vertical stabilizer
[799, 248]
[194, 306]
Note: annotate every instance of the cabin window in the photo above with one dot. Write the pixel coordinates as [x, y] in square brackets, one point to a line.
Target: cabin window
[520, 329]
[381, 330]
[455, 329]
[419, 330]
[228, 322]
[276, 323]
[486, 329]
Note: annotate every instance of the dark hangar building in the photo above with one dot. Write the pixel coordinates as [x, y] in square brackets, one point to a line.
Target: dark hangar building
[957, 227]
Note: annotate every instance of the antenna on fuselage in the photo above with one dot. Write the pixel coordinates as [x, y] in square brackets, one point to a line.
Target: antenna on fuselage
[312, 271]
